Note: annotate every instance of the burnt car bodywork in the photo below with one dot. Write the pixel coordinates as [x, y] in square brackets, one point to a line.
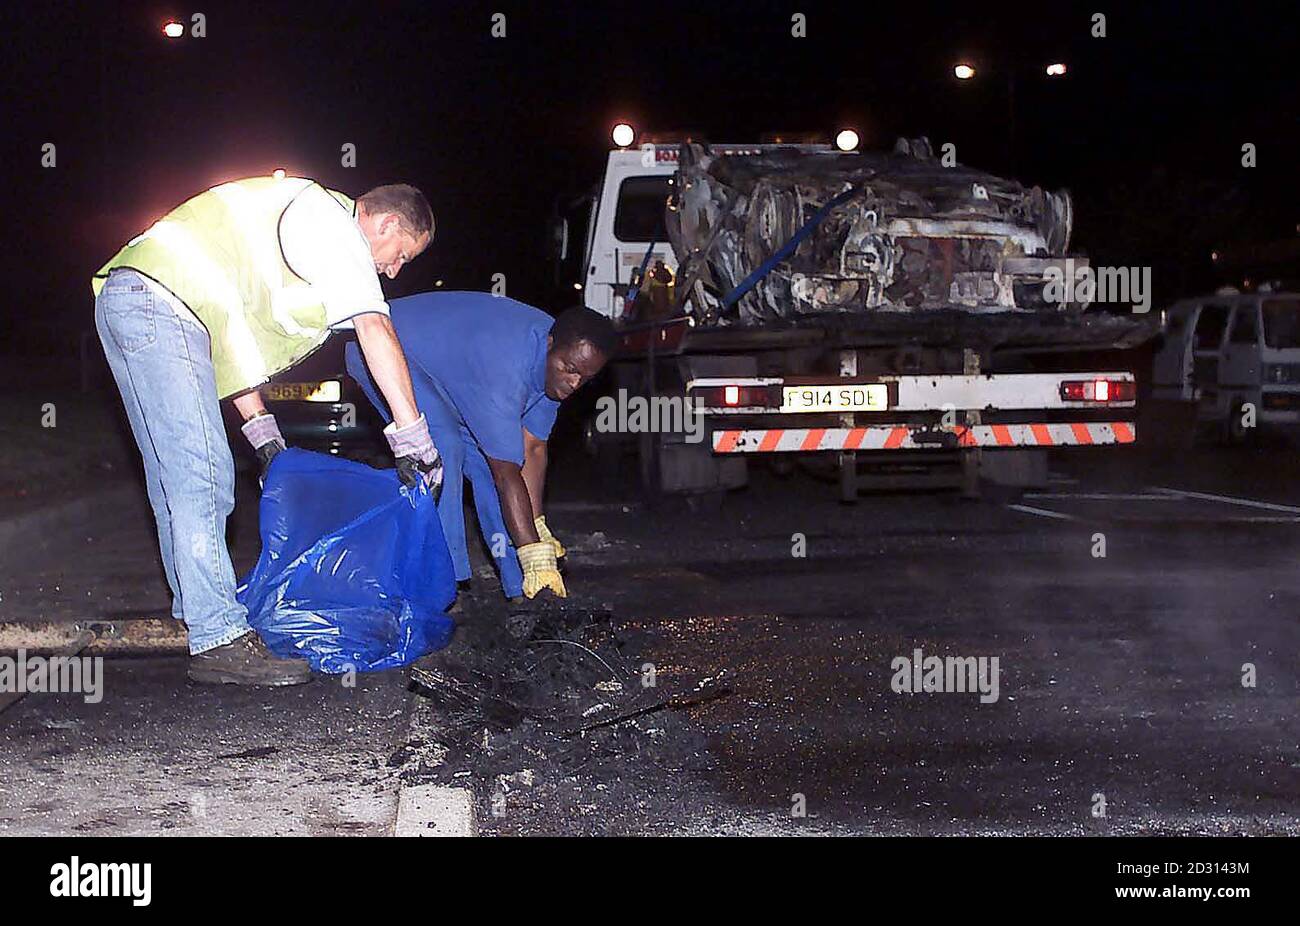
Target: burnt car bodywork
[912, 234]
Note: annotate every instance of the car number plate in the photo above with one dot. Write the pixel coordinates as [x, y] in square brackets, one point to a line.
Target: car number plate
[328, 391]
[855, 397]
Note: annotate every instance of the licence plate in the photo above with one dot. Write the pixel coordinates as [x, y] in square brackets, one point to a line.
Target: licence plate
[328, 391]
[860, 397]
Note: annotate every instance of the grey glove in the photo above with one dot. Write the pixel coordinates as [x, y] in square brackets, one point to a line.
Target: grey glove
[264, 436]
[417, 458]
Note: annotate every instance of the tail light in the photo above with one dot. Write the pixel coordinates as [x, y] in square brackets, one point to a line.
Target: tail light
[1098, 390]
[738, 396]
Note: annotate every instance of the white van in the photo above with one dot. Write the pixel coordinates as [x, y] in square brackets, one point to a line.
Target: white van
[1230, 353]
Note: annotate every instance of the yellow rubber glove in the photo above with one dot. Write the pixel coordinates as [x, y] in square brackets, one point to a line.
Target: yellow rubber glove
[545, 533]
[538, 563]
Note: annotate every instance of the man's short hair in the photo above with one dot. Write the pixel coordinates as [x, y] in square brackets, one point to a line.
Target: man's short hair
[404, 201]
[582, 324]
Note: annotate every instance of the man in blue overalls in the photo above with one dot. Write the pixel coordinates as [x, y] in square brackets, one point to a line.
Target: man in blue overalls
[489, 374]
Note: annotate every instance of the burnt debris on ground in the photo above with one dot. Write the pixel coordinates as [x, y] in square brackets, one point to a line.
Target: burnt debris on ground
[525, 702]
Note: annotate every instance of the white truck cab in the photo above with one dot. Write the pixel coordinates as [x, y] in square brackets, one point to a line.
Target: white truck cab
[1235, 356]
[627, 216]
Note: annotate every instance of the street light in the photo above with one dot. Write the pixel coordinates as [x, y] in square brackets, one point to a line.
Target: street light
[847, 140]
[623, 134]
[172, 29]
[964, 71]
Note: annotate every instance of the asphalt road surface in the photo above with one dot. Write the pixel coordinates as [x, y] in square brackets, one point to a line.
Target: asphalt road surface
[1143, 614]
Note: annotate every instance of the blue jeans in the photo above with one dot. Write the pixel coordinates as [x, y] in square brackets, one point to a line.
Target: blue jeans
[163, 368]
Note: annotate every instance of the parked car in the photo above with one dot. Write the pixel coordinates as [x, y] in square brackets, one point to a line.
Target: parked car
[1235, 357]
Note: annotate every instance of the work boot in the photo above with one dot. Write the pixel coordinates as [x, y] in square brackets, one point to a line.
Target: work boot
[247, 661]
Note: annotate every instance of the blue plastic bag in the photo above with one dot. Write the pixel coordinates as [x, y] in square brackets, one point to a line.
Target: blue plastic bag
[354, 572]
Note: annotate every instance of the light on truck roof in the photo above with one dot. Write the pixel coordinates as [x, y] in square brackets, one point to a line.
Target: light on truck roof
[963, 72]
[278, 173]
[172, 29]
[1056, 69]
[623, 134]
[847, 140]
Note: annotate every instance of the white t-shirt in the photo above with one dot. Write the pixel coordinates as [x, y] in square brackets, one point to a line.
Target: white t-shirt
[325, 246]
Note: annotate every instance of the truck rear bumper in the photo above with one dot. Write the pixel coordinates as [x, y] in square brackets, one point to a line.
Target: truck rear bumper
[904, 437]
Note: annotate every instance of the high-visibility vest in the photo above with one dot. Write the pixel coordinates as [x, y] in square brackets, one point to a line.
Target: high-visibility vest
[219, 254]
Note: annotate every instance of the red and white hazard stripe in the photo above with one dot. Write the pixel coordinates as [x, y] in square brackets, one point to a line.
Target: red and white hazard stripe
[901, 437]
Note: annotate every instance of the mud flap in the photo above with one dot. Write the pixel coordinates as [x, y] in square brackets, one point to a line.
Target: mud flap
[1017, 469]
[679, 468]
[695, 468]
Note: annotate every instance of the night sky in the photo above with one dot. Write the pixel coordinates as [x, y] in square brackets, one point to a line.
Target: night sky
[1146, 129]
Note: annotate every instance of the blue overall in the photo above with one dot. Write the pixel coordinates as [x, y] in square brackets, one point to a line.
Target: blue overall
[478, 366]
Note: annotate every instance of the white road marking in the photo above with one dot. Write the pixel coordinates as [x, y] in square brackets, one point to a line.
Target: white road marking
[1043, 512]
[1230, 500]
[1106, 496]
[1210, 522]
[432, 810]
[435, 810]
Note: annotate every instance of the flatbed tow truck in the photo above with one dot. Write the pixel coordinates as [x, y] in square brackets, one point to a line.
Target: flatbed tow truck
[877, 318]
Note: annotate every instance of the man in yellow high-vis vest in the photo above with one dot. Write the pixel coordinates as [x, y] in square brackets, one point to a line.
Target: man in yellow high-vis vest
[228, 289]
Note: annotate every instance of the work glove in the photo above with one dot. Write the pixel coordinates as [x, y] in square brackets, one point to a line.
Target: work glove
[417, 458]
[544, 532]
[537, 560]
[264, 436]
